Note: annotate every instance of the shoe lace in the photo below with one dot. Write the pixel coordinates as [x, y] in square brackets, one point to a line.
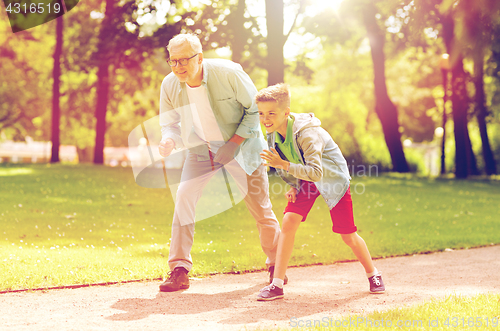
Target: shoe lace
[173, 274]
[269, 288]
[376, 280]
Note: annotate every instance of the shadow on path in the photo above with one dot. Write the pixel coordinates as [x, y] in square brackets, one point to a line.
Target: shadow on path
[244, 308]
[178, 303]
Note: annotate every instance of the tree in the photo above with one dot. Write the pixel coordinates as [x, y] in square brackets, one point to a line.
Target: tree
[104, 51]
[384, 107]
[23, 98]
[236, 20]
[439, 15]
[476, 32]
[56, 74]
[276, 40]
[344, 28]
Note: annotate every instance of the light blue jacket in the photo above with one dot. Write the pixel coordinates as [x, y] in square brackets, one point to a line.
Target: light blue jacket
[231, 95]
[322, 161]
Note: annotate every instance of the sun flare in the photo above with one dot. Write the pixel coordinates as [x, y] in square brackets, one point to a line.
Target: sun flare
[321, 5]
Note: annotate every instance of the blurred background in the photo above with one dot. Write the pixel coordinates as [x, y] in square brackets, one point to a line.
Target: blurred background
[408, 86]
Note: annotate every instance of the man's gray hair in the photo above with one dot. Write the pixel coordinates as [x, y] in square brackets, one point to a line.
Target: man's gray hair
[183, 38]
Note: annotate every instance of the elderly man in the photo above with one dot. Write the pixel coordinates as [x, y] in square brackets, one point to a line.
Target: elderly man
[207, 106]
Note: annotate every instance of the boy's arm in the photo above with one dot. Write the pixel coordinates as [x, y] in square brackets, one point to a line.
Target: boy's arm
[274, 160]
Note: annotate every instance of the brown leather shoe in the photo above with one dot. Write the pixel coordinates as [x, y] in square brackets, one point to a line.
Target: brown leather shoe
[271, 276]
[177, 280]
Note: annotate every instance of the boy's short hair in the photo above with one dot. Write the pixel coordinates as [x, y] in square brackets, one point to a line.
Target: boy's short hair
[279, 93]
[183, 38]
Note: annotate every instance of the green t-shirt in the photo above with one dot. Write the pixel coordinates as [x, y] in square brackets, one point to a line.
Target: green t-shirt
[286, 147]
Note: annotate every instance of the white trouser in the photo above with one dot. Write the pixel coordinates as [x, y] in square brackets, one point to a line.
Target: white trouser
[195, 176]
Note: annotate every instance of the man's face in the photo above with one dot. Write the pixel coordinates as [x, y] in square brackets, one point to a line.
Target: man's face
[273, 117]
[192, 73]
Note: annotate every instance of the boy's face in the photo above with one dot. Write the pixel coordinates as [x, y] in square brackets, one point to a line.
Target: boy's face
[273, 117]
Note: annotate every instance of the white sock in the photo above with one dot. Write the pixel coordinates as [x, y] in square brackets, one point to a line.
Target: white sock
[278, 282]
[371, 274]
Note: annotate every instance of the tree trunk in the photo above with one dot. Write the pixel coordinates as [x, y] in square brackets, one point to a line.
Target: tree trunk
[471, 158]
[100, 112]
[444, 73]
[465, 161]
[238, 30]
[459, 102]
[385, 109]
[102, 85]
[56, 74]
[275, 42]
[482, 112]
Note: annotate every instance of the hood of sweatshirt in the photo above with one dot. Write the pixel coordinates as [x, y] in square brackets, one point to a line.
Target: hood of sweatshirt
[303, 121]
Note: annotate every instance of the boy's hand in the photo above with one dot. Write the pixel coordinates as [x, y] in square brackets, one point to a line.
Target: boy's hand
[291, 195]
[274, 160]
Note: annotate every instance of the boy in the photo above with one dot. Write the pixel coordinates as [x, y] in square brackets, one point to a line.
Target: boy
[306, 157]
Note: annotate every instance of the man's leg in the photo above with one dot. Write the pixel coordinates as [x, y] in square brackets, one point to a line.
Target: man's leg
[195, 176]
[259, 205]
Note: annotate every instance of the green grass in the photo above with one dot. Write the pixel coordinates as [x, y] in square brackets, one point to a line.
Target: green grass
[481, 312]
[78, 224]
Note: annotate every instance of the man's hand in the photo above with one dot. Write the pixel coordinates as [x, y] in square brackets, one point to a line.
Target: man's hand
[291, 195]
[226, 152]
[274, 160]
[166, 147]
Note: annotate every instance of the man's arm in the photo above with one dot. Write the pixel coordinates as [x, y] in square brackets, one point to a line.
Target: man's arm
[249, 127]
[245, 91]
[237, 139]
[169, 118]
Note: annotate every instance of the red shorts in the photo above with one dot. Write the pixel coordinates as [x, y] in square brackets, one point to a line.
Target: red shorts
[342, 215]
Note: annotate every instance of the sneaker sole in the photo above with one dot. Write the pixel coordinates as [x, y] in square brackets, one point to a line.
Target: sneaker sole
[271, 299]
[378, 292]
[182, 287]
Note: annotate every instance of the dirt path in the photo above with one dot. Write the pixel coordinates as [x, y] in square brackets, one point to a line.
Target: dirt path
[227, 302]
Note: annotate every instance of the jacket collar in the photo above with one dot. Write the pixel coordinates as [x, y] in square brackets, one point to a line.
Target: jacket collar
[204, 80]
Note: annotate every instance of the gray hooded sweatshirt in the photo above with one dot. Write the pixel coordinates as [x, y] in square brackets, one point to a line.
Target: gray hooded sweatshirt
[322, 161]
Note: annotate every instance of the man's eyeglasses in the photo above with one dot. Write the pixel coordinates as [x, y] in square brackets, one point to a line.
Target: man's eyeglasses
[182, 62]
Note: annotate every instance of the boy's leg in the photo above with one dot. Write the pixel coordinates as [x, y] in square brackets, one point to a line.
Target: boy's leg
[274, 291]
[343, 224]
[295, 213]
[291, 222]
[359, 248]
